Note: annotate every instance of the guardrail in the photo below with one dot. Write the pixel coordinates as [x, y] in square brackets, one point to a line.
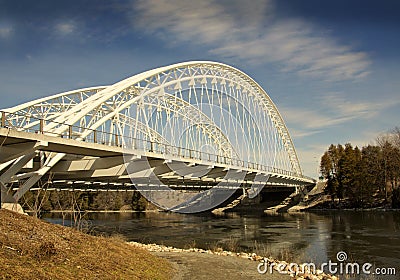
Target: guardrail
[37, 125]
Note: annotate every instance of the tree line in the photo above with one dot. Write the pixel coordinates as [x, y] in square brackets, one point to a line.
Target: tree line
[43, 200]
[366, 177]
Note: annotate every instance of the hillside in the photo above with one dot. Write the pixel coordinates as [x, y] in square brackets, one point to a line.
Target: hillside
[34, 249]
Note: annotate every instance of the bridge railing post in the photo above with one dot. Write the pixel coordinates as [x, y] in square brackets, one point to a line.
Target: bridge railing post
[95, 136]
[3, 119]
[41, 126]
[70, 131]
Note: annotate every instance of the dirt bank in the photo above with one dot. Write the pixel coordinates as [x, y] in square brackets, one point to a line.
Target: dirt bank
[33, 249]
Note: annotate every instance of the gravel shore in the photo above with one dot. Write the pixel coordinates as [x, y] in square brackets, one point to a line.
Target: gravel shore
[195, 263]
[192, 265]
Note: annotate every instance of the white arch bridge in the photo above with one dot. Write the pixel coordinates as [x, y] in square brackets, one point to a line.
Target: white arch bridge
[197, 128]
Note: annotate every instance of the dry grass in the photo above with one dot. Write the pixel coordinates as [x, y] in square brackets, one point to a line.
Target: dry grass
[34, 249]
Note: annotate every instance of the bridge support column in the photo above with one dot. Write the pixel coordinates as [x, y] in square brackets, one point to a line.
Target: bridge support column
[7, 199]
[35, 177]
[16, 166]
[8, 202]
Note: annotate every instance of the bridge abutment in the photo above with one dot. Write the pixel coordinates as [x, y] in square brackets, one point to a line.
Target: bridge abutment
[8, 202]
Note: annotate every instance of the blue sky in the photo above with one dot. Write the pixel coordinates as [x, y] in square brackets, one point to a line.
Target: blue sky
[331, 67]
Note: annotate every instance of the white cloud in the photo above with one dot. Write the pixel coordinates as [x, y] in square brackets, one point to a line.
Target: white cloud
[295, 133]
[346, 107]
[5, 31]
[333, 109]
[200, 22]
[248, 30]
[311, 119]
[65, 28]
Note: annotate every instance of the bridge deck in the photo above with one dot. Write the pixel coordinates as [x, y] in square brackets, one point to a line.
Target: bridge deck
[89, 162]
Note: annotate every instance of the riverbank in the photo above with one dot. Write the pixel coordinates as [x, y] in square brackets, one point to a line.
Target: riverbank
[346, 205]
[366, 236]
[34, 249]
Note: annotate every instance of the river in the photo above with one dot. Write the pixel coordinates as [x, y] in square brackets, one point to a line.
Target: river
[365, 236]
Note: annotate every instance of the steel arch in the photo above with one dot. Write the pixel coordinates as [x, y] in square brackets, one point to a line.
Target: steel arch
[78, 107]
[165, 89]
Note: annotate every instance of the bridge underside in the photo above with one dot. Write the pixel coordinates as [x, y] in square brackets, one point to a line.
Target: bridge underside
[94, 167]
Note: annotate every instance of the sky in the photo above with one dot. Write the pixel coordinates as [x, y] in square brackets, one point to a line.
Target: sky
[331, 67]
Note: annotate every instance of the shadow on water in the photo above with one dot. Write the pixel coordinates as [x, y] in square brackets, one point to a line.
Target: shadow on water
[372, 237]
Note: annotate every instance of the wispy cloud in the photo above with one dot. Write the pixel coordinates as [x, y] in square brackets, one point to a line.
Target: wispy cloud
[333, 109]
[312, 119]
[65, 28]
[295, 133]
[5, 31]
[248, 30]
[347, 107]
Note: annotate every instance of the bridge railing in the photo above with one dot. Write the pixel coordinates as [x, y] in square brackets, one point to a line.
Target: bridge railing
[37, 125]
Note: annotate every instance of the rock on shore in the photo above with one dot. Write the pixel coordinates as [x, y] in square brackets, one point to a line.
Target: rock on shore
[270, 262]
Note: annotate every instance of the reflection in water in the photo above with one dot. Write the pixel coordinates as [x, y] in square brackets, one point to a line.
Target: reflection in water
[305, 237]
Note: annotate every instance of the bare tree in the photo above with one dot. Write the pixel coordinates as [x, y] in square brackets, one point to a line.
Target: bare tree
[396, 136]
[35, 202]
[73, 206]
